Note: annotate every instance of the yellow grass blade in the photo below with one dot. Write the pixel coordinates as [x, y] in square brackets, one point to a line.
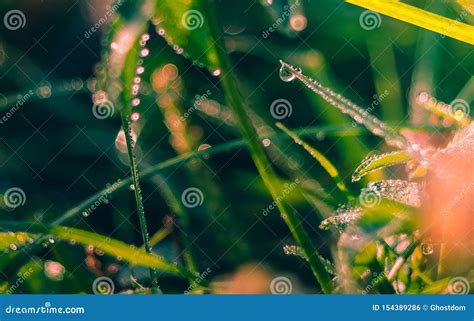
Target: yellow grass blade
[421, 18]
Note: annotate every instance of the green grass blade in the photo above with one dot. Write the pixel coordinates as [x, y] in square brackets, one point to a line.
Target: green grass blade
[110, 246]
[68, 216]
[357, 113]
[260, 159]
[321, 159]
[375, 162]
[421, 18]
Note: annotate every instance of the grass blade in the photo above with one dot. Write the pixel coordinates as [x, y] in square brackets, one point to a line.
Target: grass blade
[421, 18]
[261, 161]
[322, 160]
[374, 162]
[110, 246]
[360, 115]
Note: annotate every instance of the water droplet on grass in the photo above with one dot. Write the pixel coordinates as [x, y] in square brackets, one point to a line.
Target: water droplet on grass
[286, 74]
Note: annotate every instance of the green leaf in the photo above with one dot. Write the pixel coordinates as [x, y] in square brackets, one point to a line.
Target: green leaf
[185, 26]
[110, 246]
[375, 162]
[419, 17]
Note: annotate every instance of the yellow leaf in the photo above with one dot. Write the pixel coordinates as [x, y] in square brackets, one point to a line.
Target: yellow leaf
[421, 18]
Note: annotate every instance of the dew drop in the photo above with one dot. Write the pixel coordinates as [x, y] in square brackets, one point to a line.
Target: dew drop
[286, 74]
[427, 248]
[136, 102]
[135, 116]
[266, 142]
[216, 72]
